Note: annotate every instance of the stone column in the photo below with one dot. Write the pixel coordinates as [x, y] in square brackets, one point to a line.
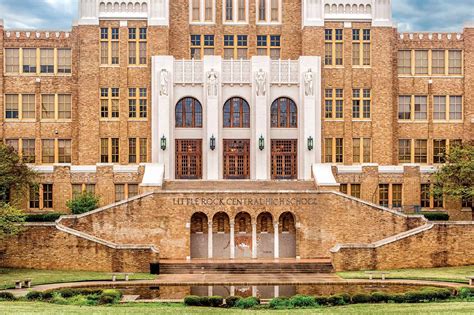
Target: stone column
[254, 291]
[232, 240]
[254, 240]
[232, 290]
[276, 241]
[209, 241]
[210, 290]
[276, 291]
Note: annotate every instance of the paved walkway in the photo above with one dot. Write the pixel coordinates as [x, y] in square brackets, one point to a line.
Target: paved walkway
[232, 279]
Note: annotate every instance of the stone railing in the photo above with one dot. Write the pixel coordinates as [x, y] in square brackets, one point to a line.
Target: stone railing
[285, 72]
[188, 72]
[236, 71]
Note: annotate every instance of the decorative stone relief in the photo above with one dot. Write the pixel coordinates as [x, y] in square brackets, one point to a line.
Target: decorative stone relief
[309, 83]
[164, 82]
[261, 79]
[212, 83]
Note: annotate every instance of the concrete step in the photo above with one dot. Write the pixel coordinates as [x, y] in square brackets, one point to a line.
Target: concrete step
[239, 185]
[244, 268]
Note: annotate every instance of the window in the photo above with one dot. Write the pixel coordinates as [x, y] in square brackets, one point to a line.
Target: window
[269, 45]
[79, 189]
[344, 188]
[269, 11]
[47, 60]
[421, 151]
[361, 150]
[47, 106]
[467, 202]
[425, 196]
[47, 151]
[455, 62]
[34, 197]
[137, 150]
[109, 103]
[137, 44]
[13, 143]
[132, 190]
[28, 110]
[235, 10]
[384, 195]
[421, 110]
[438, 65]
[64, 151]
[12, 60]
[125, 191]
[29, 60]
[47, 196]
[404, 62]
[64, 61]
[455, 108]
[404, 151]
[284, 113]
[333, 47]
[396, 195]
[421, 61]
[355, 190]
[334, 103]
[439, 151]
[109, 46]
[109, 150]
[404, 107]
[235, 46]
[439, 110]
[361, 47]
[333, 150]
[236, 113]
[202, 45]
[361, 103]
[202, 10]
[64, 106]
[12, 110]
[188, 113]
[28, 150]
[137, 103]
[119, 192]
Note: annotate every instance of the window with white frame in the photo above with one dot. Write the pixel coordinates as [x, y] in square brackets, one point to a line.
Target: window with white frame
[269, 11]
[202, 11]
[235, 11]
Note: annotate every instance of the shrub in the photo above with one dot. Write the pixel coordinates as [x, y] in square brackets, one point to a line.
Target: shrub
[360, 298]
[83, 203]
[192, 300]
[466, 292]
[216, 301]
[230, 301]
[34, 295]
[397, 298]
[106, 299]
[248, 302]
[280, 303]
[336, 299]
[436, 216]
[82, 300]
[43, 217]
[380, 297]
[7, 296]
[58, 299]
[321, 300]
[303, 301]
[110, 296]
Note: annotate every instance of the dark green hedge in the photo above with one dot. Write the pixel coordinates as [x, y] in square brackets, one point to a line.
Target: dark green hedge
[436, 216]
[43, 217]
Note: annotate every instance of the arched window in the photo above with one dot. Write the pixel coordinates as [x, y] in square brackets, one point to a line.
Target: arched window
[236, 113]
[284, 113]
[242, 225]
[188, 113]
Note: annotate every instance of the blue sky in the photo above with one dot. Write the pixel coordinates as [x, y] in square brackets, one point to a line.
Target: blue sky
[411, 15]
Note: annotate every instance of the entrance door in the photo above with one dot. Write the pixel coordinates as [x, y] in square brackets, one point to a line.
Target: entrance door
[236, 159]
[284, 159]
[188, 159]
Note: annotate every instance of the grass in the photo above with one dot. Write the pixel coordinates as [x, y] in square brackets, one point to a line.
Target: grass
[8, 276]
[156, 308]
[449, 274]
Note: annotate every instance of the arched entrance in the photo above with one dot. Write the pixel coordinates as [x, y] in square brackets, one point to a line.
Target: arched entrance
[265, 235]
[243, 235]
[287, 237]
[221, 235]
[199, 235]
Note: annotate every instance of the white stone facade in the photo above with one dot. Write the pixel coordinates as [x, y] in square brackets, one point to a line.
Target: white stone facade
[189, 78]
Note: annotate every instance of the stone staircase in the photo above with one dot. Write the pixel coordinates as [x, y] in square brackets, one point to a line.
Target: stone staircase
[246, 268]
[240, 185]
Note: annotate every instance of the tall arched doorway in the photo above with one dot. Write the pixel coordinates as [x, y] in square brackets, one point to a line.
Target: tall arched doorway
[287, 235]
[221, 235]
[265, 236]
[199, 235]
[243, 235]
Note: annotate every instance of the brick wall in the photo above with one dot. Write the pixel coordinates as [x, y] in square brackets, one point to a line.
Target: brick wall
[435, 245]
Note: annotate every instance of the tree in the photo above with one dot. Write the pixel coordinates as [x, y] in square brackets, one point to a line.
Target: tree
[83, 203]
[10, 220]
[15, 175]
[455, 179]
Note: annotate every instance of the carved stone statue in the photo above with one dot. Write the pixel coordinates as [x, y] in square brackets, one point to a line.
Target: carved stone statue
[164, 82]
[212, 83]
[308, 83]
[261, 79]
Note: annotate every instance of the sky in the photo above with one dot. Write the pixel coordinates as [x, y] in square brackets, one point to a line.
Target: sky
[411, 15]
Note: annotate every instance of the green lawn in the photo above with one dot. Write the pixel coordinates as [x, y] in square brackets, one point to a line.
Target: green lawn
[134, 308]
[450, 274]
[8, 276]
